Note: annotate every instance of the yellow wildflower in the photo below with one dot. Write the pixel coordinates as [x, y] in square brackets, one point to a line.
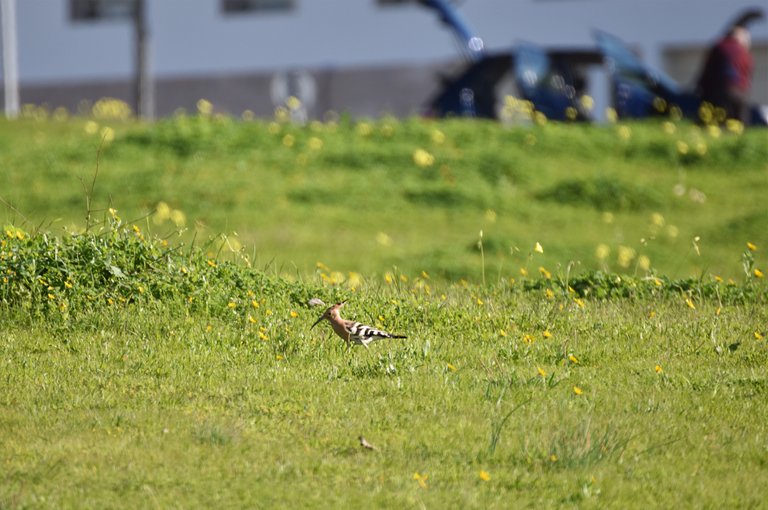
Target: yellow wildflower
[734, 126]
[423, 158]
[602, 251]
[438, 137]
[484, 475]
[625, 256]
[293, 103]
[204, 107]
[625, 133]
[383, 239]
[162, 212]
[577, 390]
[364, 129]
[422, 479]
[315, 143]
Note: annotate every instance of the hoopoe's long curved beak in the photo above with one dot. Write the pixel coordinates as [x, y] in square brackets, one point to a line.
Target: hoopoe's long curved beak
[317, 321]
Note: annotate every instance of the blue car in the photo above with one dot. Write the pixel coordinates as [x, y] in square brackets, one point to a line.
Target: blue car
[553, 80]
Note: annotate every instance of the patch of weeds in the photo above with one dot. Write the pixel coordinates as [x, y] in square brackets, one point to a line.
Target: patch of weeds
[441, 195]
[584, 448]
[494, 167]
[603, 285]
[603, 194]
[318, 195]
[65, 278]
[741, 227]
[212, 435]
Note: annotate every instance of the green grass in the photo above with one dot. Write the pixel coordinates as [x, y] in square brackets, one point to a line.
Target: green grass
[358, 202]
[137, 372]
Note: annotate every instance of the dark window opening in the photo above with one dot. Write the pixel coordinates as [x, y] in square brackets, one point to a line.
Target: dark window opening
[95, 10]
[256, 6]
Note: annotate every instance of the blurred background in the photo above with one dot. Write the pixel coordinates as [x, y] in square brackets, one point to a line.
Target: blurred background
[364, 57]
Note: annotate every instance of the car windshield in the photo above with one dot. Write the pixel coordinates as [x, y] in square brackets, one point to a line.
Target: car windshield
[623, 61]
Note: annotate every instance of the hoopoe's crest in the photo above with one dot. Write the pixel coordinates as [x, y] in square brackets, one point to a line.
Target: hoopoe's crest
[351, 331]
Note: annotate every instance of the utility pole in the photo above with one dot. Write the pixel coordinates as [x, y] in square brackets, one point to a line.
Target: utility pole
[10, 58]
[144, 90]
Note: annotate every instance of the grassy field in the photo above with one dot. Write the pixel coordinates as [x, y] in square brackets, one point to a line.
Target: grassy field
[159, 353]
[366, 197]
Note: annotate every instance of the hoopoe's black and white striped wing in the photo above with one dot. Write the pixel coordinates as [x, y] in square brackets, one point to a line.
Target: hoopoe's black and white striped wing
[360, 333]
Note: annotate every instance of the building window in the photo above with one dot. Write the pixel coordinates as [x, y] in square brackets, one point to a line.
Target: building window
[93, 10]
[256, 6]
[387, 3]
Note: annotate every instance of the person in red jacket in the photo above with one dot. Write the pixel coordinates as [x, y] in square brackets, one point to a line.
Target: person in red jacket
[727, 75]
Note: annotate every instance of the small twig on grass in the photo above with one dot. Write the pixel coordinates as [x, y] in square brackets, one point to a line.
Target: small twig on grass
[497, 428]
[12, 208]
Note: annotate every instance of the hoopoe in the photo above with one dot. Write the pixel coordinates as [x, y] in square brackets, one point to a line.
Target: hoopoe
[351, 331]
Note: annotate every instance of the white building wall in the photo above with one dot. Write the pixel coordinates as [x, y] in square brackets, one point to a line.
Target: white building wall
[193, 37]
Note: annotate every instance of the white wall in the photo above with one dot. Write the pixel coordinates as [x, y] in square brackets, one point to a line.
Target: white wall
[192, 37]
